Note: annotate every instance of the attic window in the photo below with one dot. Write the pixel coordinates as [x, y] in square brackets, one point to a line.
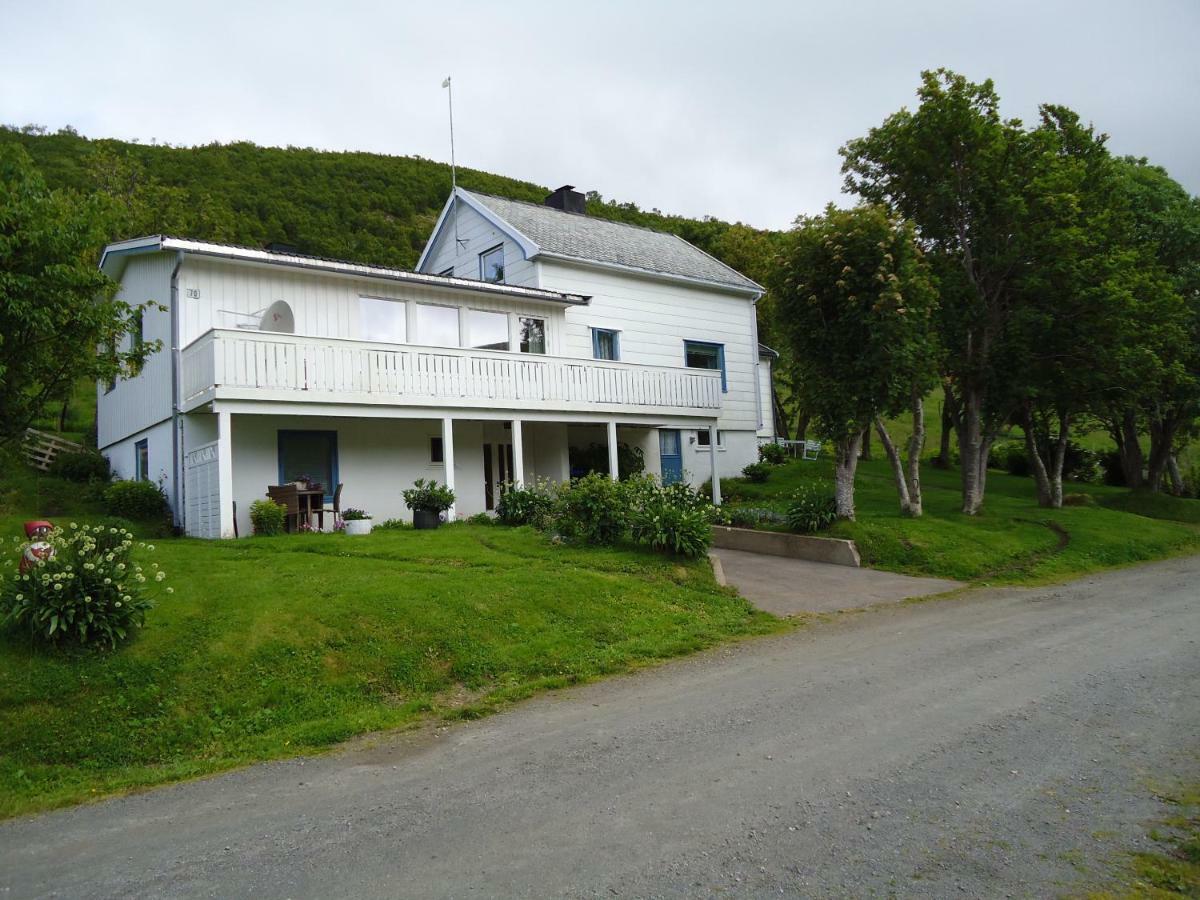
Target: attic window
[491, 265]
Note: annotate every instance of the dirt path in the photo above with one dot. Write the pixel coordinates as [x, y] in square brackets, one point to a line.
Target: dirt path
[995, 744]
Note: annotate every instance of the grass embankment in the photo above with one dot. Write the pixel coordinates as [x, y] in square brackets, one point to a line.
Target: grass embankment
[275, 646]
[1014, 540]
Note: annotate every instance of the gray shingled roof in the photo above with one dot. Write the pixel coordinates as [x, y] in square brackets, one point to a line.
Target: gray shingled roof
[599, 240]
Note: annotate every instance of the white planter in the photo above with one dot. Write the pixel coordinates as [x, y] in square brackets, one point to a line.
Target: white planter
[358, 526]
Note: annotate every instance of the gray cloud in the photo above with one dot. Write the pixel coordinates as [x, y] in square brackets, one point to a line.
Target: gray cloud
[733, 110]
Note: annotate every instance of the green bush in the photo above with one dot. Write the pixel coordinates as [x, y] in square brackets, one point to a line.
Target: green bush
[90, 593]
[753, 516]
[267, 517]
[138, 500]
[773, 454]
[479, 519]
[731, 489]
[592, 509]
[526, 505]
[757, 473]
[666, 527]
[812, 509]
[429, 495]
[350, 514]
[391, 525]
[81, 466]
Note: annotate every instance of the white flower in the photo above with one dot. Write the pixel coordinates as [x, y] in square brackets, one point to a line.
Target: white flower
[118, 603]
[170, 590]
[159, 576]
[126, 598]
[141, 579]
[150, 547]
[108, 581]
[120, 566]
[58, 587]
[112, 531]
[21, 597]
[108, 558]
[74, 525]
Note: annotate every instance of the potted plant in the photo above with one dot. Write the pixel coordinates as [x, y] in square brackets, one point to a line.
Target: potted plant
[356, 521]
[428, 500]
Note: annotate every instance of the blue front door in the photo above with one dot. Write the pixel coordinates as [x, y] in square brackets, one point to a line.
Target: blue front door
[669, 455]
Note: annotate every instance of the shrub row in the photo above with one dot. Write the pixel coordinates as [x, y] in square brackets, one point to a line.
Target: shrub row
[597, 510]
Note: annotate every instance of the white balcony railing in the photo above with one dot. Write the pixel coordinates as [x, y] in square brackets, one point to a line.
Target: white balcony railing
[235, 364]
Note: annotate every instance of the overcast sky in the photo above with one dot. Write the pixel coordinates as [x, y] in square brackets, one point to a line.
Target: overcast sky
[732, 109]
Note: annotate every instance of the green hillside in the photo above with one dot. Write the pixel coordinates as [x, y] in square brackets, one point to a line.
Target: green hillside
[365, 207]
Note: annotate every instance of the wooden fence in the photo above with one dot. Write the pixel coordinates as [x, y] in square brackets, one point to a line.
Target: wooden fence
[41, 447]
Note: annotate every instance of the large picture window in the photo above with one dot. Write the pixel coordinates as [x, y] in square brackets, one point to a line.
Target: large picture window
[437, 325]
[487, 330]
[309, 453]
[382, 320]
[703, 355]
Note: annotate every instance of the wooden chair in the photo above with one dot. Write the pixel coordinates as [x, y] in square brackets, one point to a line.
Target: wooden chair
[287, 496]
[337, 509]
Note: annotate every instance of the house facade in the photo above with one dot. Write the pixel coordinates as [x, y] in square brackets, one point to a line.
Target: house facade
[531, 343]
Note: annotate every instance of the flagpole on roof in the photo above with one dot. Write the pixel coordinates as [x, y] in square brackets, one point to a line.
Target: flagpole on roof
[453, 166]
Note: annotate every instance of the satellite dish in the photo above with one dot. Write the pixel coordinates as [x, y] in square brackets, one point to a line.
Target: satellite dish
[278, 317]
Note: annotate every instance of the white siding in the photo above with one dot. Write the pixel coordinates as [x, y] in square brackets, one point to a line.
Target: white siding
[159, 449]
[324, 305]
[135, 404]
[766, 428]
[478, 235]
[655, 318]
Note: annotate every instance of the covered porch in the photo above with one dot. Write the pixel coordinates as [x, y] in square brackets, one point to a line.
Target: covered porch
[234, 451]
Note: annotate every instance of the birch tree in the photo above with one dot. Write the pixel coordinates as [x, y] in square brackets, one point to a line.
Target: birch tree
[857, 302]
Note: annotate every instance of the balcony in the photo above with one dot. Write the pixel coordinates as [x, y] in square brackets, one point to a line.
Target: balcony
[230, 364]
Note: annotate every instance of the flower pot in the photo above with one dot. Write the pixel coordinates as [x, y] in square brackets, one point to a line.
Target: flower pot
[358, 526]
[426, 518]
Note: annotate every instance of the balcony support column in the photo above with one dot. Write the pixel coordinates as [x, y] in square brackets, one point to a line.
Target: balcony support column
[712, 457]
[612, 452]
[448, 461]
[518, 441]
[225, 472]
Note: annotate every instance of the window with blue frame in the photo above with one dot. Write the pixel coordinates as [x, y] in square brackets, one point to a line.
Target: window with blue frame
[704, 355]
[311, 454]
[141, 460]
[606, 343]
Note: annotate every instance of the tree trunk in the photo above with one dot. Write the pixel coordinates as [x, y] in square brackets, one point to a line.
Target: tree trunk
[916, 446]
[907, 474]
[1162, 439]
[1130, 448]
[1178, 488]
[1049, 478]
[972, 451]
[865, 453]
[942, 460]
[802, 425]
[781, 421]
[846, 450]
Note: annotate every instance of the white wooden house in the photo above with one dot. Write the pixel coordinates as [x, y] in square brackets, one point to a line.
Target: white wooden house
[527, 335]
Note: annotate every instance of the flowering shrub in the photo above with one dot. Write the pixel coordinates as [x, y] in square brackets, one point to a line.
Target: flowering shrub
[429, 496]
[526, 505]
[669, 522]
[592, 509]
[812, 509]
[90, 593]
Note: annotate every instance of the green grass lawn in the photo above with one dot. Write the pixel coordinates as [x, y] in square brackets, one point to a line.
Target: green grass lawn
[275, 646]
[1014, 540]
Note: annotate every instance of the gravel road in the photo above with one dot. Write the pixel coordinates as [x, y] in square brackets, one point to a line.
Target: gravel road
[999, 744]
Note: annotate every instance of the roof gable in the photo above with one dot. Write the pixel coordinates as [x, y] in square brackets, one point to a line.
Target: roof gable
[546, 231]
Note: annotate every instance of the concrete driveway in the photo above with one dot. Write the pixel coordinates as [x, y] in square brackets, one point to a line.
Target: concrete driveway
[788, 587]
[1001, 743]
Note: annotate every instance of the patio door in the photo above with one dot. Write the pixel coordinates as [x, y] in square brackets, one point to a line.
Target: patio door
[670, 457]
[497, 476]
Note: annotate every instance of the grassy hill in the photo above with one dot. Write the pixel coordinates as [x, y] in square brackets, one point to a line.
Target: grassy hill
[365, 207]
